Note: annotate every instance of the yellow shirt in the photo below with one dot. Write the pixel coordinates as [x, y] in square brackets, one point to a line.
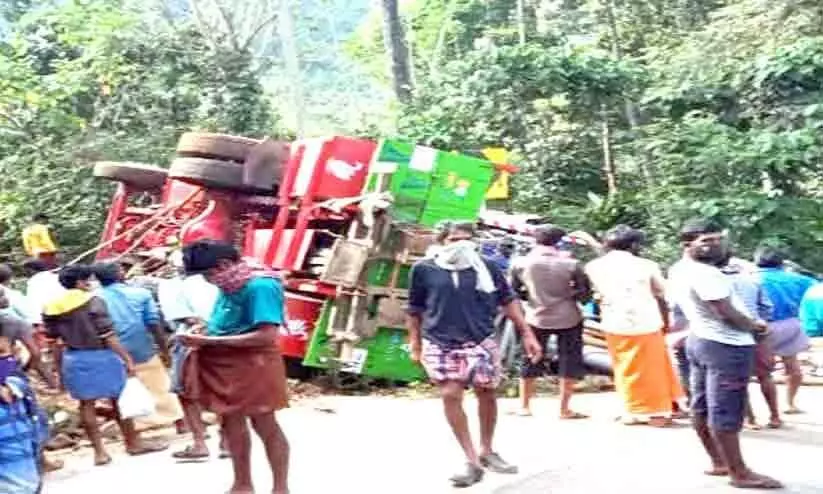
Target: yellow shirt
[37, 240]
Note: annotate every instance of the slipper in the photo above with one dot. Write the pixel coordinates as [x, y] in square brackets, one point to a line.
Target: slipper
[660, 422]
[754, 427]
[717, 472]
[147, 449]
[756, 482]
[103, 462]
[189, 454]
[794, 411]
[631, 421]
[775, 424]
[521, 413]
[574, 416]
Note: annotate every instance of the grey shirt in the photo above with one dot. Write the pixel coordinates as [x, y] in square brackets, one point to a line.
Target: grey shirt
[554, 284]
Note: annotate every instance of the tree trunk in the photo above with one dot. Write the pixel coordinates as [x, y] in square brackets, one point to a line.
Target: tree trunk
[521, 21]
[292, 60]
[609, 172]
[395, 41]
[434, 61]
[629, 107]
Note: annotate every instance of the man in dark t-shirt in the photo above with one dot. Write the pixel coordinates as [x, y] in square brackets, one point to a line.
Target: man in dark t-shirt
[453, 299]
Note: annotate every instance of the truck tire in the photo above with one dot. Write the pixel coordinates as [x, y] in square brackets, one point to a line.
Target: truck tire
[139, 175]
[218, 174]
[215, 146]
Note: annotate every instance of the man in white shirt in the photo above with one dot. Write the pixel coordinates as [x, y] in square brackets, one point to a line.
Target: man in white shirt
[44, 285]
[19, 304]
[186, 303]
[634, 317]
[721, 350]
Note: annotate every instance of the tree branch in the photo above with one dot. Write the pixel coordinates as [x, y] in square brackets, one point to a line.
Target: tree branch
[205, 28]
[224, 16]
[256, 31]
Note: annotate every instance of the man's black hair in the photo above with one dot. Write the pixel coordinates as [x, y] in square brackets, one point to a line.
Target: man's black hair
[623, 237]
[200, 256]
[107, 273]
[6, 273]
[694, 228]
[768, 256]
[548, 235]
[443, 228]
[463, 227]
[36, 265]
[70, 276]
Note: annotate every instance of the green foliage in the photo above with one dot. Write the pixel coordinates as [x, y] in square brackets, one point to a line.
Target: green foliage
[91, 81]
[712, 107]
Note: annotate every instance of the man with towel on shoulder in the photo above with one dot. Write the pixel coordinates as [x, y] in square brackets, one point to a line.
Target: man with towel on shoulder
[454, 296]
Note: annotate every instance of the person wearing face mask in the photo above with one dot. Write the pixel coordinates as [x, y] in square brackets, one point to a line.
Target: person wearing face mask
[453, 299]
[721, 350]
[235, 368]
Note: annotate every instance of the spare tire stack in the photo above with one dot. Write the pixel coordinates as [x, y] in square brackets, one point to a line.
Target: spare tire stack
[217, 161]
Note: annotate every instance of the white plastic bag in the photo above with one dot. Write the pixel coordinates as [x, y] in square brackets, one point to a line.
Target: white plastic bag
[135, 400]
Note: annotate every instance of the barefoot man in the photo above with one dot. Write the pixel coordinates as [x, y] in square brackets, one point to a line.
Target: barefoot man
[235, 369]
[554, 283]
[721, 350]
[94, 364]
[453, 299]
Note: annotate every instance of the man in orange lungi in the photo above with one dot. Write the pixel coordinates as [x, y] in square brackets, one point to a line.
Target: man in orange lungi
[634, 318]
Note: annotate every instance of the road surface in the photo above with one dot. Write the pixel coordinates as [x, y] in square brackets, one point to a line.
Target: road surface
[399, 446]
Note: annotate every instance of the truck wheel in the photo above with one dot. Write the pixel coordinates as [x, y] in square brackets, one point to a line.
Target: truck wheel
[218, 174]
[139, 175]
[216, 146]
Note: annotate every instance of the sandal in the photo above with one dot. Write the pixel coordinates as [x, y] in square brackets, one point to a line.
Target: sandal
[148, 448]
[717, 472]
[573, 416]
[189, 454]
[756, 481]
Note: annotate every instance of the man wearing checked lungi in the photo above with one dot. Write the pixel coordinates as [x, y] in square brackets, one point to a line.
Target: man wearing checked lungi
[453, 299]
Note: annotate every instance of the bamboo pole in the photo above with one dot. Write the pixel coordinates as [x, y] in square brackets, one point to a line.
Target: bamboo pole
[145, 222]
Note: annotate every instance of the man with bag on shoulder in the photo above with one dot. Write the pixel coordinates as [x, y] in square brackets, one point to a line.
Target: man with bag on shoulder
[94, 364]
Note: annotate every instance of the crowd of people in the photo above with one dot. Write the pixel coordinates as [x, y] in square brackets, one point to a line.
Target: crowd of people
[205, 341]
[682, 345]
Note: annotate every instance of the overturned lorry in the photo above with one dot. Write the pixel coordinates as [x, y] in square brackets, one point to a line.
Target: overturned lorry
[343, 219]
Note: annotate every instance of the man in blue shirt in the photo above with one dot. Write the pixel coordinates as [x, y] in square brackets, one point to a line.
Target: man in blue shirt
[139, 328]
[747, 286]
[786, 337]
[453, 300]
[811, 316]
[502, 256]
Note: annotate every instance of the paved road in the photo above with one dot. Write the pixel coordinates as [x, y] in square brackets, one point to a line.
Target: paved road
[380, 445]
